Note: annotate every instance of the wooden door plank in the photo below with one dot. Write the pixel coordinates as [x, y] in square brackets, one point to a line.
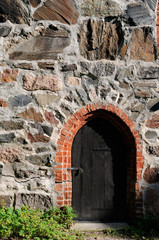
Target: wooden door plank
[86, 163]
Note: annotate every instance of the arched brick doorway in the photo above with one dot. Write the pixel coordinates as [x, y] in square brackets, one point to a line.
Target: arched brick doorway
[120, 120]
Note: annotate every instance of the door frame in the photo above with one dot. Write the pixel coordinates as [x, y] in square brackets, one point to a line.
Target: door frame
[63, 181]
[99, 191]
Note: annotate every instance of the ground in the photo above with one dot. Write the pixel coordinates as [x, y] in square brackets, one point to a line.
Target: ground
[102, 236]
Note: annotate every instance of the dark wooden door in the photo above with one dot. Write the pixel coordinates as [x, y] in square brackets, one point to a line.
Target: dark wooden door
[99, 187]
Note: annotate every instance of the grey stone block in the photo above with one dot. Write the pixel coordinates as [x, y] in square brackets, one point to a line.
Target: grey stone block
[11, 125]
[139, 14]
[41, 160]
[4, 31]
[36, 201]
[152, 4]
[150, 134]
[7, 138]
[42, 129]
[21, 100]
[149, 72]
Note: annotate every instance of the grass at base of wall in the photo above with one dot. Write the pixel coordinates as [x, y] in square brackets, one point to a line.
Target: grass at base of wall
[54, 224]
[143, 229]
[146, 228]
[28, 223]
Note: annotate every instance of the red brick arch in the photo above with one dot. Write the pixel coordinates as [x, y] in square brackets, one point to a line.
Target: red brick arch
[120, 120]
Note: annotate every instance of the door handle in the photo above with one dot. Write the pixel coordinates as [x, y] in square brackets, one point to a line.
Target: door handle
[76, 169]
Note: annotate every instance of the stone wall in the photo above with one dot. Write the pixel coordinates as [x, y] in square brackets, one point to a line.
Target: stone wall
[57, 57]
[157, 31]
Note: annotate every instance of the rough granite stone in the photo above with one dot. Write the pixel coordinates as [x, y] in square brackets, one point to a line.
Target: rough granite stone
[24, 65]
[4, 31]
[36, 49]
[61, 10]
[99, 69]
[124, 85]
[102, 8]
[7, 138]
[125, 73]
[42, 149]
[14, 11]
[46, 46]
[42, 129]
[153, 150]
[21, 100]
[36, 201]
[150, 134]
[9, 75]
[142, 93]
[38, 127]
[123, 51]
[47, 99]
[21, 140]
[22, 174]
[31, 114]
[152, 4]
[40, 160]
[73, 81]
[151, 175]
[45, 65]
[104, 92]
[139, 14]
[25, 170]
[143, 84]
[153, 122]
[149, 72]
[153, 104]
[69, 67]
[109, 69]
[99, 39]
[42, 82]
[35, 3]
[10, 155]
[85, 67]
[11, 125]
[3, 103]
[137, 107]
[142, 45]
[50, 118]
[38, 138]
[47, 130]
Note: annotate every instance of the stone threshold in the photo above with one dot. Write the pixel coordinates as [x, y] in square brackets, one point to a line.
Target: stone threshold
[97, 226]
